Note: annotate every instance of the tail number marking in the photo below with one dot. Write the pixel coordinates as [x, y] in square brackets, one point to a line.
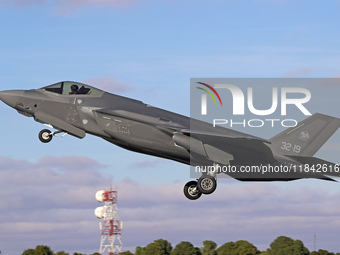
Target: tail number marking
[291, 147]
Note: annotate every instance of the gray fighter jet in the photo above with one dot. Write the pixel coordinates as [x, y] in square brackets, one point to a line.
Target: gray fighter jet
[76, 109]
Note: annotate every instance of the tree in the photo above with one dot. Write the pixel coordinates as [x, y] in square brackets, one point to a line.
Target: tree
[153, 249]
[321, 252]
[239, 247]
[61, 253]
[29, 252]
[139, 250]
[226, 248]
[158, 247]
[246, 248]
[209, 248]
[185, 248]
[287, 246]
[165, 246]
[39, 250]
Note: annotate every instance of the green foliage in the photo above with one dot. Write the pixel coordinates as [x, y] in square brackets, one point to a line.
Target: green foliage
[61, 253]
[246, 248]
[321, 252]
[29, 252]
[39, 250]
[185, 248]
[209, 248]
[165, 246]
[139, 250]
[153, 249]
[158, 247]
[282, 245]
[239, 247]
[287, 246]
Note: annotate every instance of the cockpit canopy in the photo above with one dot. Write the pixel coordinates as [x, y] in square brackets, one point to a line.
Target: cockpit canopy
[72, 88]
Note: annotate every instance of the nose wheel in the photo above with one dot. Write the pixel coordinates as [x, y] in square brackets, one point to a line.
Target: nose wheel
[205, 185]
[45, 136]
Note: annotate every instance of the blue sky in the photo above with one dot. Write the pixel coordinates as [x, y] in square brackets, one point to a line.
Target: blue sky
[149, 50]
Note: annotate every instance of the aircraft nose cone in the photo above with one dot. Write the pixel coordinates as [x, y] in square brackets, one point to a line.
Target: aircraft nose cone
[11, 97]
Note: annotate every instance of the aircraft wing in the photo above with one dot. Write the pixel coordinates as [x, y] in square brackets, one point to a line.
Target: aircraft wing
[57, 123]
[216, 144]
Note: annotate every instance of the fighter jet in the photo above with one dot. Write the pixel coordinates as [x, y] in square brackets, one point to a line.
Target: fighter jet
[77, 109]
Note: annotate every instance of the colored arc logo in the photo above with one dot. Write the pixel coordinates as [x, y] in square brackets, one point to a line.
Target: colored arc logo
[209, 93]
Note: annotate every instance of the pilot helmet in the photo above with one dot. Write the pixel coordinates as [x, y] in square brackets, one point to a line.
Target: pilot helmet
[74, 87]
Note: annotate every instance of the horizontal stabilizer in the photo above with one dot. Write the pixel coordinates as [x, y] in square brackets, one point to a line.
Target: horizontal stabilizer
[224, 147]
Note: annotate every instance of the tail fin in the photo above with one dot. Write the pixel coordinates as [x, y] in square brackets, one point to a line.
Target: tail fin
[307, 137]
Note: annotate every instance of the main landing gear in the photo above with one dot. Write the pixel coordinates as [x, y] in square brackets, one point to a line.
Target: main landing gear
[206, 184]
[46, 135]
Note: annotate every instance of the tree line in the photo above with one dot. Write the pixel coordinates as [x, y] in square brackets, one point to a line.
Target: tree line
[280, 246]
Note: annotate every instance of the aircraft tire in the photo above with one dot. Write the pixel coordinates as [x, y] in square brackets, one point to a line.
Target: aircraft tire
[45, 136]
[207, 184]
[191, 191]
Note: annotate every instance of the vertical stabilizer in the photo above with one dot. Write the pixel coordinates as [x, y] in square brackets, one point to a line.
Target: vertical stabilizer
[307, 137]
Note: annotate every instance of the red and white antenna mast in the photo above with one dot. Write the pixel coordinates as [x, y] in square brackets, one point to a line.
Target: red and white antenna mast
[111, 227]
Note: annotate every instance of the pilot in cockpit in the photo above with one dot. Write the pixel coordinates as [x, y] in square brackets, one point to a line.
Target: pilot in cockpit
[74, 89]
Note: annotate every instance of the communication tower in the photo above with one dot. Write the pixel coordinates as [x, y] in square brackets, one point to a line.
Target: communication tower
[110, 227]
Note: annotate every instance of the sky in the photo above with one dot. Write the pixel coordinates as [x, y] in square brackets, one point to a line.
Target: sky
[148, 50]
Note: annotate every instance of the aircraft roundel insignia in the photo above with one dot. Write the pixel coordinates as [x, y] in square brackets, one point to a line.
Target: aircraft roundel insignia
[304, 136]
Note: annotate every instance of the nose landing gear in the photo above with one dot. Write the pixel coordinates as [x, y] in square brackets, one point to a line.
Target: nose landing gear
[46, 135]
